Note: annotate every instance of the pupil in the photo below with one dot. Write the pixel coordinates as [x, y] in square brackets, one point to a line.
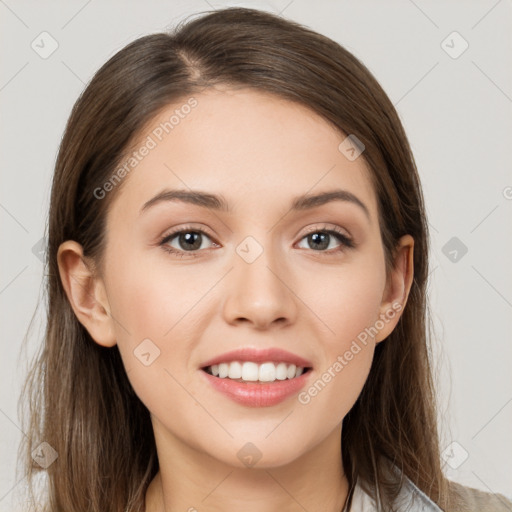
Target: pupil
[190, 238]
[316, 237]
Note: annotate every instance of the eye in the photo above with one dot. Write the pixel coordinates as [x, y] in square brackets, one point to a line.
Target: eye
[321, 239]
[189, 240]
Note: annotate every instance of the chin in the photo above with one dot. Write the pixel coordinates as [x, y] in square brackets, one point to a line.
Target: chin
[261, 454]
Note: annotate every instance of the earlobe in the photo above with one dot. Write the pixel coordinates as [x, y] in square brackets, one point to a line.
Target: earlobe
[86, 293]
[398, 287]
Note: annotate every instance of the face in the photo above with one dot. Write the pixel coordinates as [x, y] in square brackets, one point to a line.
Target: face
[256, 269]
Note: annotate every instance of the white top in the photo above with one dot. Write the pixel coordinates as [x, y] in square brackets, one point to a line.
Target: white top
[410, 499]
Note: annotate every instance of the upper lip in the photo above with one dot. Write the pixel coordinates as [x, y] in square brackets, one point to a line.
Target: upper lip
[276, 355]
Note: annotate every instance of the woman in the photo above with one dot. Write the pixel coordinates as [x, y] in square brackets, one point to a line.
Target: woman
[237, 270]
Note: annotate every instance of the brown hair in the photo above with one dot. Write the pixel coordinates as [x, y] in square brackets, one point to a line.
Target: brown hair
[80, 399]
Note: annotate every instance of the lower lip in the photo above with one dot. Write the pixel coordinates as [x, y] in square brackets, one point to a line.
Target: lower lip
[256, 394]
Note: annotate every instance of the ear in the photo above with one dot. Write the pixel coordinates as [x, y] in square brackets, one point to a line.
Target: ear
[86, 293]
[398, 286]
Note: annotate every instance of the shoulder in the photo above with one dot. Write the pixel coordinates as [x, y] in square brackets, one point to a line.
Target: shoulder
[467, 499]
[412, 499]
[462, 499]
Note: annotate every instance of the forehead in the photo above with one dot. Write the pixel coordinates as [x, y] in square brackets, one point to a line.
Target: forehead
[251, 147]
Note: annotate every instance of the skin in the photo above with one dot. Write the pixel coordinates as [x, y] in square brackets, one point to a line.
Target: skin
[259, 152]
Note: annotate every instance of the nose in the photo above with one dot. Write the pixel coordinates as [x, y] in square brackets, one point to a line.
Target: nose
[260, 293]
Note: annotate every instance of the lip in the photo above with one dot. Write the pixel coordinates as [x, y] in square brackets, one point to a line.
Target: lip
[271, 355]
[256, 394]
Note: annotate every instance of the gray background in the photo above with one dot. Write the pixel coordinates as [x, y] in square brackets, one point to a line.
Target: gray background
[456, 110]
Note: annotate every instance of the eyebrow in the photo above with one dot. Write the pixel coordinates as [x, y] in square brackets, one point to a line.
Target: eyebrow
[219, 203]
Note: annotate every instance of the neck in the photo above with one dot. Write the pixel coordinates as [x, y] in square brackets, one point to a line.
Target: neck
[191, 481]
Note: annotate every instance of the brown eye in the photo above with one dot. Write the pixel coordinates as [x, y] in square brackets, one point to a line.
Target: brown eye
[186, 241]
[321, 239]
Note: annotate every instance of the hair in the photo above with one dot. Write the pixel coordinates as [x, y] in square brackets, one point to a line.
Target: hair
[79, 397]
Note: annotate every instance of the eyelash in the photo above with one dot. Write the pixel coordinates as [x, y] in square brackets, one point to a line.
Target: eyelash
[345, 241]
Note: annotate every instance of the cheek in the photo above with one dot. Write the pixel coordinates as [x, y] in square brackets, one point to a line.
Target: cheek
[151, 312]
[348, 304]
[346, 299]
[346, 361]
[151, 299]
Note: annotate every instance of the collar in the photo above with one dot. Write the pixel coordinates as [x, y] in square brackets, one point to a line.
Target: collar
[410, 499]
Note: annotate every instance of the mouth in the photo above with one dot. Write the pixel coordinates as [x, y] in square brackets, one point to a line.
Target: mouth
[257, 377]
[254, 372]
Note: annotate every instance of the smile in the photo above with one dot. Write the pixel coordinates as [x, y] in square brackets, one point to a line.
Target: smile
[250, 371]
[257, 377]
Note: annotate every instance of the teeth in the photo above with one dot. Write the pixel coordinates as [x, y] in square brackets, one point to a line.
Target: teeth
[223, 370]
[267, 372]
[253, 372]
[235, 370]
[250, 371]
[281, 371]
